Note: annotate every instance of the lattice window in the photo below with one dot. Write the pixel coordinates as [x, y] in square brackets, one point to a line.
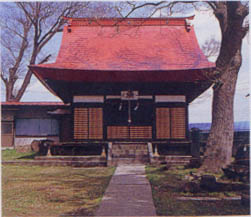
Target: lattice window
[163, 123]
[81, 123]
[178, 123]
[88, 123]
[95, 123]
[170, 123]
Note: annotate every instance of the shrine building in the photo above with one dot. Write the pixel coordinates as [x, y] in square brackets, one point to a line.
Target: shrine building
[127, 80]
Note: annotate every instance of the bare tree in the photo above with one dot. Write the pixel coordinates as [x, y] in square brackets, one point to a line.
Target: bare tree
[26, 28]
[211, 48]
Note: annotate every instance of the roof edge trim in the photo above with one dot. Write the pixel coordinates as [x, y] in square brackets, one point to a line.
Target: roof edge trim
[168, 21]
[46, 66]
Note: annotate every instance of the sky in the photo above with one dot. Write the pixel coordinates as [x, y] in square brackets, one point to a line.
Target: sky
[206, 27]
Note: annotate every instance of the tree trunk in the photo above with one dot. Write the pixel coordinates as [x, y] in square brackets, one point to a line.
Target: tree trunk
[9, 85]
[220, 141]
[25, 84]
[9, 90]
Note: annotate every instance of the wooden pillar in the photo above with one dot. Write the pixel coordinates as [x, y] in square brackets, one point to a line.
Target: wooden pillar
[156, 154]
[49, 151]
[103, 151]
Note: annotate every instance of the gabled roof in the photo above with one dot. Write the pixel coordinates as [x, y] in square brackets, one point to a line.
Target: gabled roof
[121, 46]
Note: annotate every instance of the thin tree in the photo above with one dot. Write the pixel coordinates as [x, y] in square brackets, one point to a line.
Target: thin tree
[26, 28]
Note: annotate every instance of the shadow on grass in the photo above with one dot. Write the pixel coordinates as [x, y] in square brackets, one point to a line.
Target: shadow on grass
[28, 157]
[78, 212]
[12, 155]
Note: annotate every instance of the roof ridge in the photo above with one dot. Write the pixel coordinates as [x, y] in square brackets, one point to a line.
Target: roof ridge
[168, 21]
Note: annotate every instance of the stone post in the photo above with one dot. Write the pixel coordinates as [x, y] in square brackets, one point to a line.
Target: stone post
[109, 154]
[150, 151]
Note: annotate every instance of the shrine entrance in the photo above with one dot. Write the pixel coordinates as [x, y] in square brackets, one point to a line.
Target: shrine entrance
[129, 116]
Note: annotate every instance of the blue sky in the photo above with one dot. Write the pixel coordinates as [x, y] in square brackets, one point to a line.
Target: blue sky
[206, 27]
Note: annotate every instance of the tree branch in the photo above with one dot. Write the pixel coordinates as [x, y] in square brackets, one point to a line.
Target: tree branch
[141, 6]
[45, 59]
[5, 80]
[51, 30]
[21, 4]
[212, 5]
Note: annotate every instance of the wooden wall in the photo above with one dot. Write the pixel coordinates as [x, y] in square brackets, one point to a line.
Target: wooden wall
[129, 132]
[66, 128]
[169, 122]
[7, 133]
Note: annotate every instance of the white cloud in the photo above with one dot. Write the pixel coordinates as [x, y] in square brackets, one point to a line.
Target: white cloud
[36, 86]
[200, 109]
[206, 26]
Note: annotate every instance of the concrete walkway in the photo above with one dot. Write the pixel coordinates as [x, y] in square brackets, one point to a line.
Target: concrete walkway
[128, 194]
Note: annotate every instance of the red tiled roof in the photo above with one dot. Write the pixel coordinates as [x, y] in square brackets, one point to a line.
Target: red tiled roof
[105, 48]
[33, 104]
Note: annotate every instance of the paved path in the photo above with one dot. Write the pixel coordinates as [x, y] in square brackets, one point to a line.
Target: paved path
[128, 194]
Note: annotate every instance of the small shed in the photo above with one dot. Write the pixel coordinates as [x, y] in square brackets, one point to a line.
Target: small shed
[23, 122]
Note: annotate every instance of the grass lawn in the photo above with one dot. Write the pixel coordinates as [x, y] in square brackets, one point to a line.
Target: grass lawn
[52, 191]
[166, 187]
[13, 155]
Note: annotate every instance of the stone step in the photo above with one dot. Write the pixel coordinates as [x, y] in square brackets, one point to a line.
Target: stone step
[129, 152]
[177, 162]
[126, 161]
[172, 159]
[132, 157]
[176, 158]
[129, 147]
